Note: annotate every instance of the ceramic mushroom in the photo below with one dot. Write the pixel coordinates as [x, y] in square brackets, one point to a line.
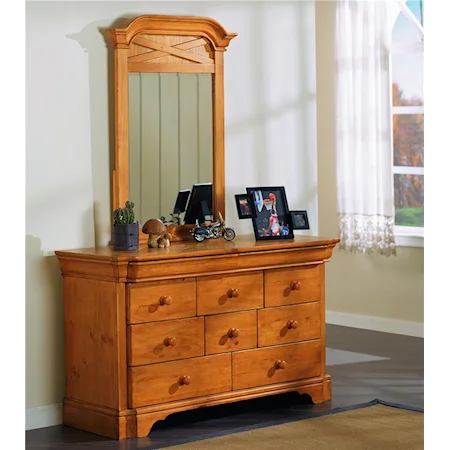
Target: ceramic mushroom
[154, 228]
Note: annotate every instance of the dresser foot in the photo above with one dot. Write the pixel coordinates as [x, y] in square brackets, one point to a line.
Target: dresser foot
[320, 392]
[99, 420]
[145, 422]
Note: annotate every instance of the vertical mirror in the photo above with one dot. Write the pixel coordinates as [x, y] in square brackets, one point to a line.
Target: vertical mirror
[169, 118]
[170, 142]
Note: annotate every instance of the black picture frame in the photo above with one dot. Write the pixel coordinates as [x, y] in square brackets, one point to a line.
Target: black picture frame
[271, 219]
[300, 220]
[243, 209]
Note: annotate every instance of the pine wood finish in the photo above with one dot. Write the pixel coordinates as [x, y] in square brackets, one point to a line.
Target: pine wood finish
[289, 324]
[271, 365]
[131, 360]
[226, 293]
[174, 44]
[156, 301]
[176, 380]
[165, 341]
[230, 332]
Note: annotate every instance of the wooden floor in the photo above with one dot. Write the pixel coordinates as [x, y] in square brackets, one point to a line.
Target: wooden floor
[364, 365]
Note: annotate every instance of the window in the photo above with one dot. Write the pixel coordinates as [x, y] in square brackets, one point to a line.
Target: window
[408, 123]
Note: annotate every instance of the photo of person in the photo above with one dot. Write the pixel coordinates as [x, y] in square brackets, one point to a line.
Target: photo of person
[300, 220]
[274, 228]
[271, 213]
[243, 206]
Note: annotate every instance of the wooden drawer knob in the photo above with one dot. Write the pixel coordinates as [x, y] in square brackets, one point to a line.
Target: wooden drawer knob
[280, 364]
[295, 285]
[185, 379]
[170, 341]
[165, 300]
[233, 333]
[292, 324]
[233, 293]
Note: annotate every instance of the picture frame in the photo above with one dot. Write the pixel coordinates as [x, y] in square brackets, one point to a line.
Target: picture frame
[271, 217]
[243, 206]
[300, 220]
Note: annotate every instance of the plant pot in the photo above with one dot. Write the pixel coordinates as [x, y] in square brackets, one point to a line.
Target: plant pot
[125, 236]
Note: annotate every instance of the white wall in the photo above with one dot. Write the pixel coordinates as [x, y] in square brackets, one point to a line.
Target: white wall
[270, 139]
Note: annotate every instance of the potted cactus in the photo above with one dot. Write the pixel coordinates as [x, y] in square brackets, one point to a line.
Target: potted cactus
[125, 231]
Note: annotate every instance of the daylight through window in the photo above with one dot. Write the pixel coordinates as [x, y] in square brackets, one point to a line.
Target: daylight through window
[408, 118]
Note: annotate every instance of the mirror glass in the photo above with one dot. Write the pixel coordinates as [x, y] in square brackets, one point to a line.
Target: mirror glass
[170, 143]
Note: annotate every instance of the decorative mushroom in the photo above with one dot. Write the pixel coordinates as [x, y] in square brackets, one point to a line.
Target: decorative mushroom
[154, 228]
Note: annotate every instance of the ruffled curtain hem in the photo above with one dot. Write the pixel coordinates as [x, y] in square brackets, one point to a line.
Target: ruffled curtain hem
[361, 233]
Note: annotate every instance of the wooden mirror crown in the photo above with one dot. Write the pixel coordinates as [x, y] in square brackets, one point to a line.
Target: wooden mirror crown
[168, 44]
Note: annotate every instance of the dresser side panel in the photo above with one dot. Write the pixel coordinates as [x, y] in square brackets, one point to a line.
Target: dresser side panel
[95, 341]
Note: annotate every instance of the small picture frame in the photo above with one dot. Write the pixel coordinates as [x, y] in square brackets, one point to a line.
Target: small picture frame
[271, 218]
[243, 207]
[300, 220]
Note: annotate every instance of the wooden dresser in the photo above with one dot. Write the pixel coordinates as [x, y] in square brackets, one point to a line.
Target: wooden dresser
[157, 331]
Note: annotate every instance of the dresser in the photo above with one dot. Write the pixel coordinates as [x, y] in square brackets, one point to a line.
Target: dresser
[153, 332]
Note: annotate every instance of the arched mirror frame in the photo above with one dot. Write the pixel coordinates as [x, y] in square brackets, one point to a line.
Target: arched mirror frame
[210, 35]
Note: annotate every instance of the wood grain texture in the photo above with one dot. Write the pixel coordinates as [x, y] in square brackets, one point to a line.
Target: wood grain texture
[136, 51]
[86, 418]
[105, 290]
[150, 343]
[278, 289]
[219, 294]
[242, 244]
[156, 301]
[94, 335]
[288, 324]
[221, 330]
[158, 383]
[318, 388]
[258, 367]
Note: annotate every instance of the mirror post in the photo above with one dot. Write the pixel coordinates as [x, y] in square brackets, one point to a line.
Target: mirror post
[218, 136]
[121, 126]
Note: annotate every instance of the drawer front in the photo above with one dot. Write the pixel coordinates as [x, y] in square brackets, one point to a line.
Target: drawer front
[165, 341]
[177, 380]
[289, 324]
[260, 367]
[290, 286]
[163, 300]
[230, 332]
[228, 293]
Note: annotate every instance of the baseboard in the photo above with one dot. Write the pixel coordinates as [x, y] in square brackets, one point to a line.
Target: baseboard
[373, 323]
[43, 416]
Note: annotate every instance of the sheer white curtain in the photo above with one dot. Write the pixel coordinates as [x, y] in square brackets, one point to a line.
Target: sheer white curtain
[363, 128]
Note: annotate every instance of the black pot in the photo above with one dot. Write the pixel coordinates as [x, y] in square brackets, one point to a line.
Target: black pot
[125, 236]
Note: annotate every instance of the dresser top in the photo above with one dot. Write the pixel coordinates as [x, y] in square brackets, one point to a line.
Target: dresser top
[210, 247]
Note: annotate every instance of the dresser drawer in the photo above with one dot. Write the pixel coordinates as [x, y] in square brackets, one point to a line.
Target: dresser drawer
[272, 365]
[287, 324]
[230, 332]
[289, 286]
[161, 300]
[228, 293]
[165, 341]
[177, 380]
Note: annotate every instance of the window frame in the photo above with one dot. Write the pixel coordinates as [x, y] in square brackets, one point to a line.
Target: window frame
[406, 236]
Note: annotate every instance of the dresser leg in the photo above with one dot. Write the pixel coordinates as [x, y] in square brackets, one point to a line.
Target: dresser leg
[319, 393]
[145, 422]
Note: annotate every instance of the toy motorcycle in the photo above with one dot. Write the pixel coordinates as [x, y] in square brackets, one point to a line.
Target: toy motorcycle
[213, 230]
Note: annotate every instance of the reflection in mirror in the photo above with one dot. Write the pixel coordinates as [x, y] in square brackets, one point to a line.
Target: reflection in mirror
[170, 140]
